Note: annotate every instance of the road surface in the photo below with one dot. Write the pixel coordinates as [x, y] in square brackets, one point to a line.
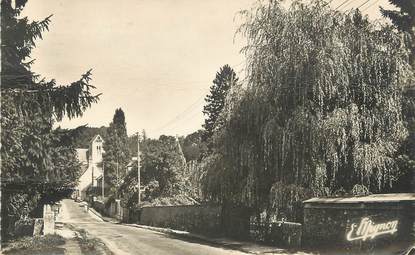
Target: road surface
[122, 239]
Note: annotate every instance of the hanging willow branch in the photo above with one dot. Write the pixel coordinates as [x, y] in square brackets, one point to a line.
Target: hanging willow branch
[321, 112]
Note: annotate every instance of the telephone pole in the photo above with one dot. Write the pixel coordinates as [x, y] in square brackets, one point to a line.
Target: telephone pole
[116, 185]
[92, 179]
[138, 169]
[103, 181]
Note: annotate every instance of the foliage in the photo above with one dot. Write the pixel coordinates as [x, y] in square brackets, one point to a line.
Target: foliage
[38, 164]
[48, 244]
[90, 245]
[162, 171]
[224, 79]
[404, 20]
[321, 111]
[117, 154]
[132, 142]
[163, 158]
[193, 146]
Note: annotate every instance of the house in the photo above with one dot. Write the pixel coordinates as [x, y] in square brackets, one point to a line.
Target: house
[93, 170]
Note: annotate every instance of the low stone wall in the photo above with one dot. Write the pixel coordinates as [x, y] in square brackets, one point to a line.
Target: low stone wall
[113, 210]
[286, 234]
[194, 218]
[280, 233]
[99, 206]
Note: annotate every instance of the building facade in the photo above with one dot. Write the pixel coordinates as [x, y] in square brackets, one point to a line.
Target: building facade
[93, 170]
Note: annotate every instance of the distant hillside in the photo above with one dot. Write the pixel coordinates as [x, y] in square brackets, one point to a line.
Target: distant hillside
[85, 135]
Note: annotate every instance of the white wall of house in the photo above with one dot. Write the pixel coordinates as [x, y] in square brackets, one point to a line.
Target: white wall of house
[94, 170]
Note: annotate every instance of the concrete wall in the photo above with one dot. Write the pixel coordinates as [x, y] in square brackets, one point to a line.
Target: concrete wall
[193, 218]
[329, 223]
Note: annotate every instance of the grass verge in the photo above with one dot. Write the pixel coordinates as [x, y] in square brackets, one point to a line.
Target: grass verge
[90, 245]
[39, 245]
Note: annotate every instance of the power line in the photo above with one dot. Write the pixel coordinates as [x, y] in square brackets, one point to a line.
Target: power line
[348, 4]
[186, 111]
[180, 123]
[342, 4]
[372, 4]
[363, 4]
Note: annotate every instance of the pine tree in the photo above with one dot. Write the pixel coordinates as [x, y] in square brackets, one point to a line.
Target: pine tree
[117, 152]
[404, 20]
[223, 81]
[38, 163]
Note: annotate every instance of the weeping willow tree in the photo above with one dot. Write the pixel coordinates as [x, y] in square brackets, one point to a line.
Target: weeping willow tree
[320, 113]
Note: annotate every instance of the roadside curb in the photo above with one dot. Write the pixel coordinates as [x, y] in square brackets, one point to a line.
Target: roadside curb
[186, 235]
[189, 235]
[95, 213]
[106, 219]
[168, 231]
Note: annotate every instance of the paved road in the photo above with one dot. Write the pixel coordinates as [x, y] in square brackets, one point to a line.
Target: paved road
[123, 239]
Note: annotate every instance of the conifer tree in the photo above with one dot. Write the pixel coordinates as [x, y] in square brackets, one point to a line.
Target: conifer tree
[117, 152]
[404, 20]
[38, 163]
[223, 81]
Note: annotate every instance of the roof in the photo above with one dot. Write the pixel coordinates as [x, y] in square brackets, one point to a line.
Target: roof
[95, 137]
[376, 198]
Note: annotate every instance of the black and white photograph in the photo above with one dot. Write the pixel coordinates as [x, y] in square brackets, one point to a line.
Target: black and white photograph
[158, 127]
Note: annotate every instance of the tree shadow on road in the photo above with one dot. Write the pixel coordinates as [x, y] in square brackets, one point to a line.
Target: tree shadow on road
[231, 245]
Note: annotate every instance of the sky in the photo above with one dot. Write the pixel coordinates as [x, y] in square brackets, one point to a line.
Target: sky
[155, 59]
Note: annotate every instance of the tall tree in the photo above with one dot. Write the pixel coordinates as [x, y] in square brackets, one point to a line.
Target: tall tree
[223, 81]
[403, 18]
[321, 112]
[117, 152]
[38, 164]
[192, 145]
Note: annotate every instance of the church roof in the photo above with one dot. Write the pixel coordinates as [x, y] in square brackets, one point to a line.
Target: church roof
[95, 137]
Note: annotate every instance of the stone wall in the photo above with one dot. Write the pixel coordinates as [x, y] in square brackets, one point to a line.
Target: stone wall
[281, 234]
[112, 209]
[286, 234]
[194, 218]
[330, 223]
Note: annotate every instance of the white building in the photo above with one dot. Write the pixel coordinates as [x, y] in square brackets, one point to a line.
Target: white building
[93, 169]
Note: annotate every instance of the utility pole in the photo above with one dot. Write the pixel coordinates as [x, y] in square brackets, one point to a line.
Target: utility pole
[92, 181]
[116, 193]
[138, 169]
[103, 181]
